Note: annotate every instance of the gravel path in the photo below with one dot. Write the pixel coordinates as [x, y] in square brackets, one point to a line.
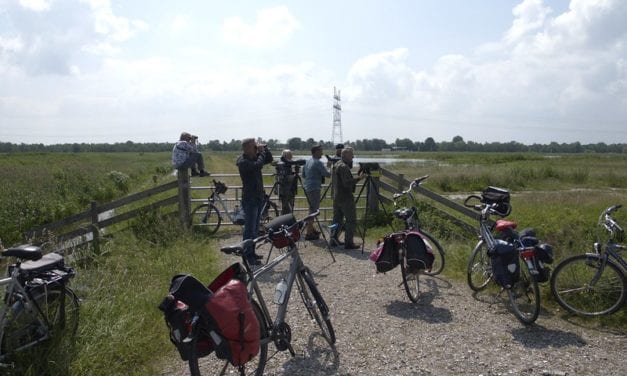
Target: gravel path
[448, 332]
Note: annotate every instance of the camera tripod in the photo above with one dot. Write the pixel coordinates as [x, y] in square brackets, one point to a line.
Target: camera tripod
[298, 180]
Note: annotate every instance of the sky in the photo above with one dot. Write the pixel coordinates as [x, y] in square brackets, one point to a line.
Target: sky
[105, 71]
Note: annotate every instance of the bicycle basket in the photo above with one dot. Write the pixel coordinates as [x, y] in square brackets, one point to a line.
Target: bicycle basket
[219, 187]
[496, 195]
[278, 237]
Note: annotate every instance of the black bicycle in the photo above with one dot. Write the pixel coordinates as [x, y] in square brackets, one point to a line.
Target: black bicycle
[594, 283]
[523, 293]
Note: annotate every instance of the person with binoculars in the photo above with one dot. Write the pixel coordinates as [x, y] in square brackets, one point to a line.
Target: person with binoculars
[314, 173]
[250, 164]
[185, 155]
[286, 179]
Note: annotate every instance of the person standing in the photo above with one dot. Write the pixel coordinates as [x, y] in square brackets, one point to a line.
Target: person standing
[314, 173]
[250, 164]
[343, 200]
[185, 155]
[286, 179]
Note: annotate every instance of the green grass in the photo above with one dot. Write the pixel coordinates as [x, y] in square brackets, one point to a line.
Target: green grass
[121, 330]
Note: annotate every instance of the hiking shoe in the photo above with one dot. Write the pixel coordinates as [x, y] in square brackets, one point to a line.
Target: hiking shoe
[351, 246]
[335, 242]
[313, 236]
[202, 174]
[195, 173]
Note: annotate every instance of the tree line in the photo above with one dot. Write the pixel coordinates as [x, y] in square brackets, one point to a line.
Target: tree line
[457, 144]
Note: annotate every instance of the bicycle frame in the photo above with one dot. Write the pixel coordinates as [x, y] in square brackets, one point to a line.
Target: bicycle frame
[15, 289]
[253, 287]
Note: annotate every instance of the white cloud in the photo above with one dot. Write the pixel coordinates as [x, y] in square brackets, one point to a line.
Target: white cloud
[36, 5]
[180, 22]
[557, 73]
[273, 27]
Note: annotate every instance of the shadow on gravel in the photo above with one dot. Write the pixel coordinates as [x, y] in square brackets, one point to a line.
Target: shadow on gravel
[539, 337]
[318, 359]
[423, 310]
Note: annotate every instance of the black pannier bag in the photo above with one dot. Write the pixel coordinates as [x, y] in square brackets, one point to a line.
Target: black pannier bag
[505, 264]
[417, 254]
[496, 195]
[544, 256]
[385, 257]
[178, 316]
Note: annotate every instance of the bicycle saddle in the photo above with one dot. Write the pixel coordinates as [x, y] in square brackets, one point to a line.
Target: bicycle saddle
[47, 262]
[24, 251]
[238, 248]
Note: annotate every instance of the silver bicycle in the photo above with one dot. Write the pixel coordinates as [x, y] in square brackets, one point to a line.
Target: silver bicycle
[38, 305]
[283, 232]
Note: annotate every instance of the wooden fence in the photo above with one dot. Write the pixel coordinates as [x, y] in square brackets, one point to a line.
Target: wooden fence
[183, 196]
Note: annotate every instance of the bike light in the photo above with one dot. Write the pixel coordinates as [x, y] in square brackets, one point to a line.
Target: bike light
[528, 253]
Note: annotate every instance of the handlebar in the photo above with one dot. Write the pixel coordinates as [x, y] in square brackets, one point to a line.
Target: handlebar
[239, 247]
[412, 185]
[610, 223]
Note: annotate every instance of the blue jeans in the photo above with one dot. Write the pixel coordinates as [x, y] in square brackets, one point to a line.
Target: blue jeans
[252, 208]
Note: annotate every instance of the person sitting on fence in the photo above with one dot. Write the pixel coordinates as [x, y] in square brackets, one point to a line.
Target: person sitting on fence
[185, 155]
[250, 164]
[314, 173]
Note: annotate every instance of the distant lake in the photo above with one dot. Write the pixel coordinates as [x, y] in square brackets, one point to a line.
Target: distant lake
[384, 160]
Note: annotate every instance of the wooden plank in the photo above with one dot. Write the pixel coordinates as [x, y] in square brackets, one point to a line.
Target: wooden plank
[135, 212]
[37, 231]
[138, 196]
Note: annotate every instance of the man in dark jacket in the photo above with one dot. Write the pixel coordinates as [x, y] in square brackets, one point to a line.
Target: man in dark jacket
[343, 201]
[250, 164]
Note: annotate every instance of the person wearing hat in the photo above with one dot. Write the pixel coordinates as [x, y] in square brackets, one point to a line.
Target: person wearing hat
[250, 164]
[185, 155]
[314, 173]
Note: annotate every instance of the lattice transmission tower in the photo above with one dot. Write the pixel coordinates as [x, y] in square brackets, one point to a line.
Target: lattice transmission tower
[336, 135]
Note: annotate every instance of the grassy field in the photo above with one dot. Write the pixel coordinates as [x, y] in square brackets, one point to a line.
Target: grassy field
[122, 332]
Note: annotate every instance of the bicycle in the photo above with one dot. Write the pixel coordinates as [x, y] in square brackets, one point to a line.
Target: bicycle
[594, 283]
[524, 293]
[283, 232]
[207, 218]
[409, 216]
[38, 306]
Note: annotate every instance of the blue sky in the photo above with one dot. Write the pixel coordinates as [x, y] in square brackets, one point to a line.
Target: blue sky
[487, 70]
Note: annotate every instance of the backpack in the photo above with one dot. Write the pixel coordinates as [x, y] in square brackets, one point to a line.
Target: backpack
[417, 254]
[232, 329]
[385, 256]
[505, 263]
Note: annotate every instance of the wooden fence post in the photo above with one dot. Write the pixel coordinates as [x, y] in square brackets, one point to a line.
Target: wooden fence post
[95, 229]
[401, 179]
[185, 200]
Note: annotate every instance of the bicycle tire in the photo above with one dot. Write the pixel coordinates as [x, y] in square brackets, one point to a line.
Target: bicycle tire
[438, 254]
[570, 286]
[316, 306]
[59, 309]
[479, 269]
[211, 364]
[411, 279]
[206, 219]
[524, 296]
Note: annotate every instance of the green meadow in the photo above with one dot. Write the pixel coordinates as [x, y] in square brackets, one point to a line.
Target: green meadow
[122, 332]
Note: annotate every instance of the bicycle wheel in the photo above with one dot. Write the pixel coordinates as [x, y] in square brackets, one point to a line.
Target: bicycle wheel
[525, 296]
[411, 278]
[211, 365]
[315, 304]
[206, 219]
[573, 287]
[479, 270]
[58, 309]
[438, 253]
